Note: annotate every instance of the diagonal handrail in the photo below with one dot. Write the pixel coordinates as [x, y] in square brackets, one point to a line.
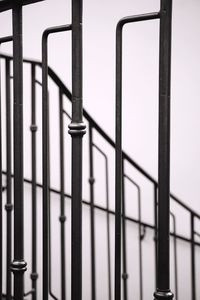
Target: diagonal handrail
[100, 130]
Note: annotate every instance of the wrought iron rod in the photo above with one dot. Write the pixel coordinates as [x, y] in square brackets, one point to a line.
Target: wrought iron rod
[193, 277]
[9, 205]
[1, 203]
[175, 255]
[76, 130]
[45, 151]
[156, 229]
[124, 246]
[163, 273]
[33, 128]
[140, 236]
[107, 218]
[62, 199]
[118, 146]
[92, 217]
[18, 265]
[6, 39]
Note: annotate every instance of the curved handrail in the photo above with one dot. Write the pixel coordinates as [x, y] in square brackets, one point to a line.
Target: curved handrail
[96, 126]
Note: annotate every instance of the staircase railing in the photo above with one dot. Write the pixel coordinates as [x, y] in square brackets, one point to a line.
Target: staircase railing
[65, 95]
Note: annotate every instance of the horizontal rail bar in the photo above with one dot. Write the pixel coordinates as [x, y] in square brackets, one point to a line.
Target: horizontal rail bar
[6, 39]
[56, 191]
[57, 29]
[138, 18]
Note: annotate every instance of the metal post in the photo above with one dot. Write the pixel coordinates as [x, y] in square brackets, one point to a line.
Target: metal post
[8, 206]
[107, 216]
[124, 275]
[163, 275]
[140, 234]
[1, 220]
[45, 156]
[18, 265]
[118, 165]
[156, 229]
[33, 128]
[77, 130]
[92, 221]
[45, 159]
[193, 277]
[118, 145]
[175, 256]
[62, 199]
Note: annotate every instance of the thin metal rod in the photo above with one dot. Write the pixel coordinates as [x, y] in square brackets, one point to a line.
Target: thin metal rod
[156, 229]
[92, 217]
[51, 293]
[45, 152]
[66, 113]
[1, 215]
[33, 128]
[124, 246]
[107, 218]
[193, 277]
[175, 256]
[77, 130]
[118, 146]
[163, 275]
[62, 199]
[8, 206]
[141, 236]
[18, 265]
[6, 39]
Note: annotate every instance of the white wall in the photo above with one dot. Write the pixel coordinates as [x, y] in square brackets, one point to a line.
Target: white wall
[140, 106]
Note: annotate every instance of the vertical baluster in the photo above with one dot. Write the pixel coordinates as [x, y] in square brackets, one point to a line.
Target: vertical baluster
[175, 256]
[92, 221]
[107, 215]
[76, 130]
[140, 242]
[18, 266]
[108, 231]
[163, 275]
[33, 129]
[62, 198]
[1, 221]
[124, 275]
[8, 205]
[45, 160]
[140, 234]
[156, 229]
[118, 164]
[193, 277]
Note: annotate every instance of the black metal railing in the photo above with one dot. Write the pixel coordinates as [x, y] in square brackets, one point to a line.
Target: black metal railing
[127, 170]
[63, 95]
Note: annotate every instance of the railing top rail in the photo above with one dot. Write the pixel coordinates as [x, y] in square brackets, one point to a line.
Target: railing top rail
[94, 124]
